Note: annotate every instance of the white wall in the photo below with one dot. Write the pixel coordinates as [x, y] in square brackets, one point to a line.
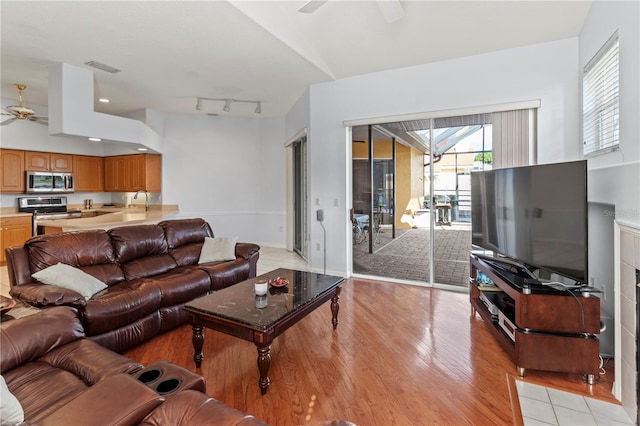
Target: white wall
[546, 71]
[229, 171]
[614, 178]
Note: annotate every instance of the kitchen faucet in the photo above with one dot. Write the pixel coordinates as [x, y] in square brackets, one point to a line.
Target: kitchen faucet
[146, 196]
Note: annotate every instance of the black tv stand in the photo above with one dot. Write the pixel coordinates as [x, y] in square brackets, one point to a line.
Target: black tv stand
[539, 327]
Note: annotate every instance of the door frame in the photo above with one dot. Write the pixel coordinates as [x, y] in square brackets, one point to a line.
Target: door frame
[300, 137]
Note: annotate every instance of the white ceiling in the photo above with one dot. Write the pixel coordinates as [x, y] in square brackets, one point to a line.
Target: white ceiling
[171, 52]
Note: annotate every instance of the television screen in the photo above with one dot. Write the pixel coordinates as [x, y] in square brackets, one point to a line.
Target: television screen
[535, 215]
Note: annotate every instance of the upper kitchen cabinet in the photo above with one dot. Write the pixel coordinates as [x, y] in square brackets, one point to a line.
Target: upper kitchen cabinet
[88, 173]
[12, 174]
[130, 173]
[48, 161]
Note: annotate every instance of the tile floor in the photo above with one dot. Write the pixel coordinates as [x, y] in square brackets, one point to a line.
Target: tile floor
[546, 406]
[273, 258]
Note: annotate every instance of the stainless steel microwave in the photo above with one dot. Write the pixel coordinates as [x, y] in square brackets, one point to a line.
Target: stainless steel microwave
[49, 182]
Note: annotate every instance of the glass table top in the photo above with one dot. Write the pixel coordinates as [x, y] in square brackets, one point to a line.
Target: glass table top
[239, 302]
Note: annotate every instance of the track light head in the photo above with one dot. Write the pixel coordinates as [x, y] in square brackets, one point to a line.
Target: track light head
[199, 104]
[227, 105]
[258, 107]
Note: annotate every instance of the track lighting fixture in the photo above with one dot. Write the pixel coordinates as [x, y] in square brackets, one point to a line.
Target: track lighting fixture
[227, 103]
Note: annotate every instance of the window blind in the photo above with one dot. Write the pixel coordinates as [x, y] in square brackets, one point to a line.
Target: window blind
[600, 100]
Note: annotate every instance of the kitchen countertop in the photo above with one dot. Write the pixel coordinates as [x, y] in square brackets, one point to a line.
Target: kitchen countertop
[111, 217]
[12, 212]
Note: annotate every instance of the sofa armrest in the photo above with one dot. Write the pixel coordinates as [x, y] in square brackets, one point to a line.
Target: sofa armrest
[42, 295]
[18, 265]
[90, 361]
[191, 407]
[116, 400]
[246, 250]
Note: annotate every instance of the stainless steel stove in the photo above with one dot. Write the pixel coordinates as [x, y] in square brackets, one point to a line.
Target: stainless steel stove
[46, 208]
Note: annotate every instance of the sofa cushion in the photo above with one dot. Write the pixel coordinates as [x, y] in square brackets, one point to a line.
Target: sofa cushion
[89, 361]
[31, 337]
[185, 231]
[133, 242]
[120, 305]
[225, 274]
[90, 251]
[218, 249]
[149, 266]
[182, 285]
[116, 400]
[191, 407]
[71, 278]
[11, 411]
[142, 251]
[42, 389]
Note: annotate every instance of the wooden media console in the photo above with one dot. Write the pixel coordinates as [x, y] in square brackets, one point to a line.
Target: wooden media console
[539, 327]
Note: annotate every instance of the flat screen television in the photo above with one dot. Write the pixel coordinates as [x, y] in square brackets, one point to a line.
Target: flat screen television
[534, 215]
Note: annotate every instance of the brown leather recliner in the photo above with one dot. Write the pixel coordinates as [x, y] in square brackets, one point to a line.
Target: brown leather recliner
[61, 378]
[151, 271]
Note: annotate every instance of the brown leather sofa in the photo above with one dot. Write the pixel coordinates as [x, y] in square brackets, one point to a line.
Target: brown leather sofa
[150, 271]
[61, 378]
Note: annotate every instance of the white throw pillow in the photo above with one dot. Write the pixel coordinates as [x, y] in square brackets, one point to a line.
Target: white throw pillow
[218, 249]
[11, 412]
[72, 278]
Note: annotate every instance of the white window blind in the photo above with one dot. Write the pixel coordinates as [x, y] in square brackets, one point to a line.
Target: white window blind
[600, 100]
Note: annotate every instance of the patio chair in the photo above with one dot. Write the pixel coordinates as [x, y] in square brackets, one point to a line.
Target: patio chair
[360, 224]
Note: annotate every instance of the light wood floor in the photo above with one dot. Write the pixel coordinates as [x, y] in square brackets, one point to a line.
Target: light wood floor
[401, 355]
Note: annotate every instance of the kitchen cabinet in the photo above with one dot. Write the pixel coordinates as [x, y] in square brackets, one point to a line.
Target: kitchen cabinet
[48, 161]
[12, 174]
[88, 173]
[14, 231]
[130, 173]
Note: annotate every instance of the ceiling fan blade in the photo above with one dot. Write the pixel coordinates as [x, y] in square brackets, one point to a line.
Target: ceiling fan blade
[39, 120]
[311, 6]
[9, 121]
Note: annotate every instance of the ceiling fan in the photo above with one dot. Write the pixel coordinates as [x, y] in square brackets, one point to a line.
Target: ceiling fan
[21, 112]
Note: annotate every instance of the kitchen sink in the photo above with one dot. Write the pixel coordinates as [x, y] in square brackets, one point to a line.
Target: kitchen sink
[93, 213]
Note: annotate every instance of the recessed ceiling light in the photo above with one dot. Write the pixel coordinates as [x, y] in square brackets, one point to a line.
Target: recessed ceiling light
[103, 100]
[95, 139]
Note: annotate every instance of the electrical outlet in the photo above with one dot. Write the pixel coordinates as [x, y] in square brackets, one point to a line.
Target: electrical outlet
[318, 246]
[320, 215]
[604, 292]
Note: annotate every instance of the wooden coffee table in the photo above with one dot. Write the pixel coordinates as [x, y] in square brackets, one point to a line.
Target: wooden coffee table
[237, 311]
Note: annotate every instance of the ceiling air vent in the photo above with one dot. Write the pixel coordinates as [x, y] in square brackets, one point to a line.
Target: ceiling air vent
[103, 67]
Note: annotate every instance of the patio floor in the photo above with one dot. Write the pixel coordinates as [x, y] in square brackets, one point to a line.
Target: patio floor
[407, 256]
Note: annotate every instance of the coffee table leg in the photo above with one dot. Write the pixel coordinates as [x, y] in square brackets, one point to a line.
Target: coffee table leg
[264, 361]
[335, 307]
[198, 339]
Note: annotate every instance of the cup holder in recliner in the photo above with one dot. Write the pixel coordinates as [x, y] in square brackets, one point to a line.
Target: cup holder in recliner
[168, 386]
[149, 376]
